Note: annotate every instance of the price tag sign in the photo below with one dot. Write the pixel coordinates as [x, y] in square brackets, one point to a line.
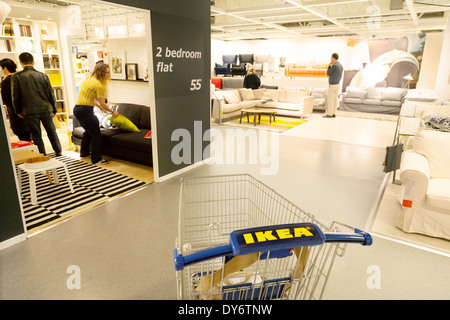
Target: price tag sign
[69, 125]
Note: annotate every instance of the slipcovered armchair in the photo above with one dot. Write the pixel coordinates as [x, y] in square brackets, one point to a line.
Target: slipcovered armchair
[425, 176]
[225, 68]
[320, 98]
[241, 68]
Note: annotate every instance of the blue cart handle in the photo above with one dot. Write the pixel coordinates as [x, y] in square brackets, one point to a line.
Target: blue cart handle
[359, 236]
[184, 261]
[237, 247]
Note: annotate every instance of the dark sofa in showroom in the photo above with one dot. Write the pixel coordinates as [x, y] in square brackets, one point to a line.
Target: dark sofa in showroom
[117, 143]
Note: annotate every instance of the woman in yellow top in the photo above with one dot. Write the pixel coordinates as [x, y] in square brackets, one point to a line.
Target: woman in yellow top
[93, 92]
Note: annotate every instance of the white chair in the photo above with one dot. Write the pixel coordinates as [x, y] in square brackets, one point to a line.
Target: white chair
[425, 175]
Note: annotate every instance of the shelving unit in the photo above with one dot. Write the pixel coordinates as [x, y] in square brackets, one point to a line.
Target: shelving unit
[40, 38]
[52, 65]
[8, 40]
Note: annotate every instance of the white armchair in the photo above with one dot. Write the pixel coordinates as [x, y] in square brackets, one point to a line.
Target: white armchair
[425, 175]
[260, 60]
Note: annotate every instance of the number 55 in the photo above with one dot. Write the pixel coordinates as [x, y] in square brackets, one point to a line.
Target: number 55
[196, 84]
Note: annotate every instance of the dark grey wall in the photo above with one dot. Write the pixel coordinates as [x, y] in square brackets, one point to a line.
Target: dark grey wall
[181, 43]
[11, 224]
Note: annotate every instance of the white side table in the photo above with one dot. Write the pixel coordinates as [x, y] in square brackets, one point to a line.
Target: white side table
[53, 164]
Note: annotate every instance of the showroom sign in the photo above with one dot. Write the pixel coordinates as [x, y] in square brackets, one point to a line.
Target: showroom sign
[165, 66]
[181, 62]
[179, 56]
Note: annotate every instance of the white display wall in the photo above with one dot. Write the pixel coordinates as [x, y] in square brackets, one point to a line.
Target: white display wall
[306, 50]
[117, 29]
[130, 91]
[434, 74]
[443, 76]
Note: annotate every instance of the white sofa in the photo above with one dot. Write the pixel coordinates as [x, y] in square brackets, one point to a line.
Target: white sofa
[287, 102]
[320, 98]
[425, 176]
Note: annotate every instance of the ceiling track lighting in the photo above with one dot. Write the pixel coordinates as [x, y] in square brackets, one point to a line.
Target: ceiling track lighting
[433, 4]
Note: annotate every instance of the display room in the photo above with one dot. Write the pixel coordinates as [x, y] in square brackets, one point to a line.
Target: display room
[197, 159]
[68, 54]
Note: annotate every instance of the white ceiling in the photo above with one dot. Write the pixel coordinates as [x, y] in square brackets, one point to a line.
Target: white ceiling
[265, 19]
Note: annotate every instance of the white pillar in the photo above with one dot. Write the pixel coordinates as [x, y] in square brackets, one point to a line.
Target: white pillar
[443, 74]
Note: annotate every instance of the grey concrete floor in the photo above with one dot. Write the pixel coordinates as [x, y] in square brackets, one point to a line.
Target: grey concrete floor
[124, 248]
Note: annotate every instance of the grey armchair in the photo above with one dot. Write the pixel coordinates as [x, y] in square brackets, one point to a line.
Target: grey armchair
[241, 68]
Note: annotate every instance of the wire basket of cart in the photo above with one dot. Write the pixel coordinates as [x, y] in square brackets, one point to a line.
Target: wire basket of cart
[238, 239]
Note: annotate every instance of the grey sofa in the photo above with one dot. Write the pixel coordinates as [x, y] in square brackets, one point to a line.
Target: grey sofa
[232, 83]
[373, 100]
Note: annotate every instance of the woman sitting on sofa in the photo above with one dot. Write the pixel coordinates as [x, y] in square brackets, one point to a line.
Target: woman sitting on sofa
[93, 92]
[251, 80]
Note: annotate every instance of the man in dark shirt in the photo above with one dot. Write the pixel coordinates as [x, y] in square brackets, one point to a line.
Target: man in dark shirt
[18, 125]
[34, 100]
[334, 72]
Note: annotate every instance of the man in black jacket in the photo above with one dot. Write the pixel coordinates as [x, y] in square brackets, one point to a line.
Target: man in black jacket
[18, 125]
[34, 100]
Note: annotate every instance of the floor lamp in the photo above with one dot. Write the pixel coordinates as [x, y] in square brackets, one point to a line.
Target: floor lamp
[409, 78]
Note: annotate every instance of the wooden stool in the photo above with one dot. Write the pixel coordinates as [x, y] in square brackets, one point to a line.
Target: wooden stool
[53, 165]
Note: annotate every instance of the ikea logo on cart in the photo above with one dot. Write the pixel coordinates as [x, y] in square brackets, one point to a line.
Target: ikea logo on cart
[280, 234]
[276, 237]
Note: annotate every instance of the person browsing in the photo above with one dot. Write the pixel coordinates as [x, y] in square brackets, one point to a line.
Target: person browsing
[34, 100]
[334, 72]
[251, 80]
[93, 93]
[18, 125]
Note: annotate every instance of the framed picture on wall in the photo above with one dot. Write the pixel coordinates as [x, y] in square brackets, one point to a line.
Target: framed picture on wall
[117, 61]
[132, 71]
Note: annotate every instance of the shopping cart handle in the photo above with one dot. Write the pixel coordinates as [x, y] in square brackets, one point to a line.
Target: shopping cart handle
[271, 238]
[183, 261]
[358, 237]
[259, 239]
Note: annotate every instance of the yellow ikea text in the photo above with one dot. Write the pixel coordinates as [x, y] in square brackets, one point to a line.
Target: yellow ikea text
[277, 234]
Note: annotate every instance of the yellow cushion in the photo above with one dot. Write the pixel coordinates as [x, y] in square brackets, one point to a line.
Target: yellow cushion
[123, 123]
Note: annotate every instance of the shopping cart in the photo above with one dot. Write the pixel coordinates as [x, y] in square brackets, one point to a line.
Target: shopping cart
[240, 240]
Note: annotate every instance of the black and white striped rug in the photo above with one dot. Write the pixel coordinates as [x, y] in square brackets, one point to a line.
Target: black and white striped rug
[92, 185]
